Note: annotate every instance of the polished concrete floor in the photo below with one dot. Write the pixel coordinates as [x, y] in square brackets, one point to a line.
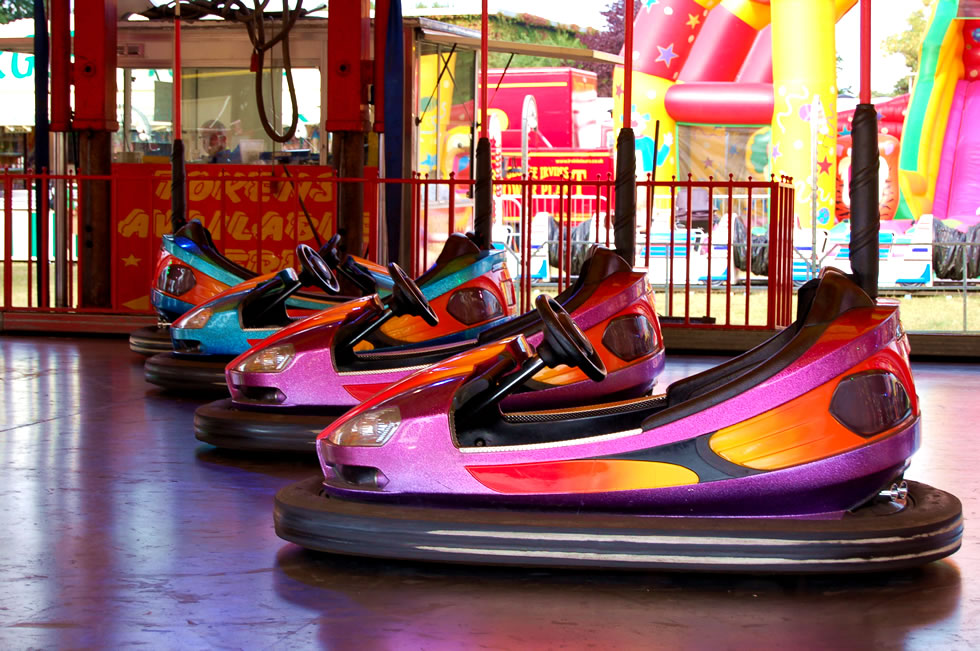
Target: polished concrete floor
[118, 528]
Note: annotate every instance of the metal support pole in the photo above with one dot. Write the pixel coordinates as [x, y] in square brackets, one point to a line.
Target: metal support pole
[62, 246]
[127, 125]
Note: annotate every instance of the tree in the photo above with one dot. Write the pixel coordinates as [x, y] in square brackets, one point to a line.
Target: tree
[11, 10]
[908, 44]
[610, 40]
[523, 28]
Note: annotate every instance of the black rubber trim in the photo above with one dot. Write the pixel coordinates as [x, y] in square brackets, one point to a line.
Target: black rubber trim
[151, 340]
[870, 539]
[187, 375]
[600, 265]
[694, 454]
[224, 424]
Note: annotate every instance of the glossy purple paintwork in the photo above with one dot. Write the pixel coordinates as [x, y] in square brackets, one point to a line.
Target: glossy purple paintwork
[312, 379]
[828, 486]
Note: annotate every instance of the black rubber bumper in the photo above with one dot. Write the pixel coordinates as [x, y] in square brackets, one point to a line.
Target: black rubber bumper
[873, 538]
[226, 425]
[187, 375]
[151, 340]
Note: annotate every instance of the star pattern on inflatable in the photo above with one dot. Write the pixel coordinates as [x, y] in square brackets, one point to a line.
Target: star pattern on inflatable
[131, 260]
[650, 3]
[693, 20]
[666, 54]
[824, 165]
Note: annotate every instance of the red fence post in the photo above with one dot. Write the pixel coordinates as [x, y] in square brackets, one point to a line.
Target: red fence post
[43, 256]
[687, 261]
[569, 241]
[670, 250]
[425, 225]
[416, 209]
[452, 203]
[729, 265]
[773, 257]
[711, 223]
[72, 267]
[29, 182]
[748, 250]
[8, 234]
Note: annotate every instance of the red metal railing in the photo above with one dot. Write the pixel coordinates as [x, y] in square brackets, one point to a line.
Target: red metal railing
[254, 215]
[544, 225]
[547, 224]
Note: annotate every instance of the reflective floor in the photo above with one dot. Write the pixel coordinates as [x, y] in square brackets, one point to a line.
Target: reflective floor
[119, 528]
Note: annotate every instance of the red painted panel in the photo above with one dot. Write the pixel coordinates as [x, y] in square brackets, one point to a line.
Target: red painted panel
[664, 34]
[720, 103]
[720, 50]
[95, 65]
[255, 223]
[758, 64]
[345, 40]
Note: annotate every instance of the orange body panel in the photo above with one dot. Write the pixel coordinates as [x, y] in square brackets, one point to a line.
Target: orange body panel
[412, 329]
[582, 476]
[803, 430]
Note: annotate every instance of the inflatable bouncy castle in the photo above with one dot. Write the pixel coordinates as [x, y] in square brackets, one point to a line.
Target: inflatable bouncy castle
[748, 88]
[716, 74]
[939, 164]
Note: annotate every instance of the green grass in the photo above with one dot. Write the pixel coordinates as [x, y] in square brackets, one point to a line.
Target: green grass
[19, 294]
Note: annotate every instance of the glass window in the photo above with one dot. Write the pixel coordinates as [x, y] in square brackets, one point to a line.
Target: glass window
[220, 116]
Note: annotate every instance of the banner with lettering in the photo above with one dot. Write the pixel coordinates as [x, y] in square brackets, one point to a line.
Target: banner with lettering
[254, 214]
[575, 165]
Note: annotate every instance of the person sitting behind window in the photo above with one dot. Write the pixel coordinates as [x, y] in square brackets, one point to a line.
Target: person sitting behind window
[214, 143]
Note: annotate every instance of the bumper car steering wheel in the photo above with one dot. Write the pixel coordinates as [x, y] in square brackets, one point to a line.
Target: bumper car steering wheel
[564, 342]
[407, 298]
[316, 271]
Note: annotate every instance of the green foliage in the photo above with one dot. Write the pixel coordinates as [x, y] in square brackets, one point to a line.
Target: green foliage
[908, 44]
[11, 10]
[523, 28]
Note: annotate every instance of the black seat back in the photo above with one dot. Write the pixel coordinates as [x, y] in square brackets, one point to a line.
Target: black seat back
[195, 231]
[265, 305]
[457, 245]
[600, 265]
[819, 303]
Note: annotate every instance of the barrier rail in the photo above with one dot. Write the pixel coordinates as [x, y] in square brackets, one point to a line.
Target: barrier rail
[545, 225]
[547, 235]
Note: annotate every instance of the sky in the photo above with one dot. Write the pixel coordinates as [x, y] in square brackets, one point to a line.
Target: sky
[888, 17]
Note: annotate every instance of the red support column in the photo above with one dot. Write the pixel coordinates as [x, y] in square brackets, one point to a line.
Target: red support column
[60, 66]
[95, 119]
[628, 65]
[865, 91]
[178, 76]
[484, 64]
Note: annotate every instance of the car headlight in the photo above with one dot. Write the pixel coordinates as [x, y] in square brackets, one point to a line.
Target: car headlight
[372, 428]
[268, 360]
[195, 319]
